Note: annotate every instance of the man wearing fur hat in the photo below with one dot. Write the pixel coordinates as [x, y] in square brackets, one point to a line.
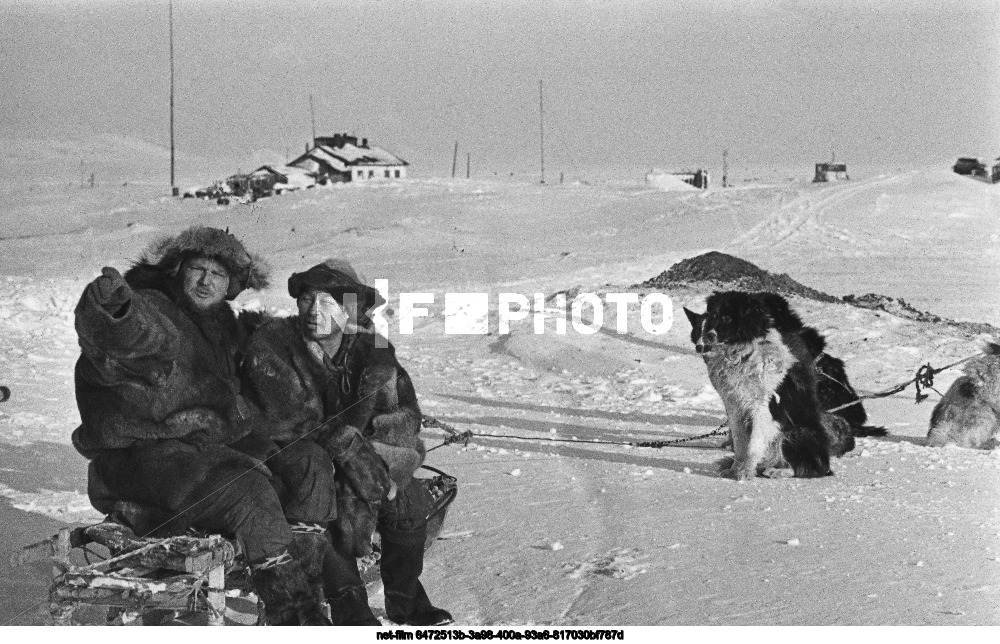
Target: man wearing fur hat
[159, 394]
[327, 375]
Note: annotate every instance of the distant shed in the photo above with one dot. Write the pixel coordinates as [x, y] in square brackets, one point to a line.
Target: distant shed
[697, 179]
[830, 172]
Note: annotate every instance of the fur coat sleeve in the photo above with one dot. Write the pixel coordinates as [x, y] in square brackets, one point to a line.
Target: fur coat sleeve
[143, 331]
[386, 409]
[278, 378]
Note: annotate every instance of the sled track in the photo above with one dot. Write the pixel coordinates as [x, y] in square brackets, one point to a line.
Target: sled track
[803, 212]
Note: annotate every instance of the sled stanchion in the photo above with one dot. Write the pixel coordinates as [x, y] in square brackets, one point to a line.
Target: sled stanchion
[60, 610]
[217, 595]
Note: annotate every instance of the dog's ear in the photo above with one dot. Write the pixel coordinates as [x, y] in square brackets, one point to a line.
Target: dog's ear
[814, 341]
[693, 318]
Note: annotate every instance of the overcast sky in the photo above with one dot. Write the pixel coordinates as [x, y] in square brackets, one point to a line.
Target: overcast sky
[628, 84]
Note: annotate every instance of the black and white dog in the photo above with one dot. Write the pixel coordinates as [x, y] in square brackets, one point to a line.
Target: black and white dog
[762, 367]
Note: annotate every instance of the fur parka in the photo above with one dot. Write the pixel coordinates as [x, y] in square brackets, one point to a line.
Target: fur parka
[160, 370]
[363, 386]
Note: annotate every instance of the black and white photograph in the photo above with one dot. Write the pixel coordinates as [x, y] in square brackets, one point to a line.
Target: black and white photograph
[500, 319]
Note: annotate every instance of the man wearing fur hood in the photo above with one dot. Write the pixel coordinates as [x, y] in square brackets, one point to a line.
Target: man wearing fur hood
[159, 395]
[327, 375]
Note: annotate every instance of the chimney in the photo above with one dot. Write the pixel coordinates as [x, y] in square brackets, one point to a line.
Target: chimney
[364, 143]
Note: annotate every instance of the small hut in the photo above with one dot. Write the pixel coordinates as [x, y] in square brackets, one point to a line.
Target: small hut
[830, 172]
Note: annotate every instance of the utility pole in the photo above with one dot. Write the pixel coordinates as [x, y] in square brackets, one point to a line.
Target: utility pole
[468, 165]
[454, 161]
[312, 118]
[725, 168]
[173, 183]
[541, 126]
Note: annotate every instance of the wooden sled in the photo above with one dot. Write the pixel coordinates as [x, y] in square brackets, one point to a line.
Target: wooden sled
[191, 579]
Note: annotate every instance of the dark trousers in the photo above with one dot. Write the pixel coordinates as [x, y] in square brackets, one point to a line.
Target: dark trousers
[402, 525]
[216, 488]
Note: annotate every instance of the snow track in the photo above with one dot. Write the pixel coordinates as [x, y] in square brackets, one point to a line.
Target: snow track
[801, 221]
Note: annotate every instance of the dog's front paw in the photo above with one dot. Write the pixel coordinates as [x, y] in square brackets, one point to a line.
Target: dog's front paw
[729, 468]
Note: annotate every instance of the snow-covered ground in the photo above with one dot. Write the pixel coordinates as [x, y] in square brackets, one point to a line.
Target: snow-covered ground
[580, 532]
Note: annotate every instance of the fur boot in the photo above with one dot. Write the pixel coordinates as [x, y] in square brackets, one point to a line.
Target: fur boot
[345, 591]
[349, 607]
[406, 601]
[310, 550]
[288, 599]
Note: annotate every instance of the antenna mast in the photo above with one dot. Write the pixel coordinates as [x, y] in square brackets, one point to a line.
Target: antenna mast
[312, 118]
[541, 126]
[173, 183]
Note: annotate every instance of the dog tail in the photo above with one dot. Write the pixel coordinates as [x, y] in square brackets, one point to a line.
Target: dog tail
[808, 452]
[869, 430]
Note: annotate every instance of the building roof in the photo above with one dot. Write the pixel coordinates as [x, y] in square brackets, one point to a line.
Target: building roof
[358, 156]
[318, 158]
[266, 169]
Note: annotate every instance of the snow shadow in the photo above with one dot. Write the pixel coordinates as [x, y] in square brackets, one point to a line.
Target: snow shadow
[31, 468]
[647, 344]
[919, 441]
[42, 465]
[697, 420]
[24, 590]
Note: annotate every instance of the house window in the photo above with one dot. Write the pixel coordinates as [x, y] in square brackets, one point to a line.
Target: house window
[387, 174]
[397, 174]
[371, 174]
[361, 174]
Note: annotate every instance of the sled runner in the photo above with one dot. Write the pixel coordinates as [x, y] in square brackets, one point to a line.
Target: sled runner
[188, 579]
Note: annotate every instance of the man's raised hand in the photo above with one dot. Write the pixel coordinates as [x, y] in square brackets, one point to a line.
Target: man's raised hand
[111, 291]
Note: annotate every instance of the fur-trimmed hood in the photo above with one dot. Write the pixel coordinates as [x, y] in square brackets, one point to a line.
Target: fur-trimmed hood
[158, 265]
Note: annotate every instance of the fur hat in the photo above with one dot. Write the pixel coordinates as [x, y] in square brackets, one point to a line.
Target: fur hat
[335, 277]
[245, 270]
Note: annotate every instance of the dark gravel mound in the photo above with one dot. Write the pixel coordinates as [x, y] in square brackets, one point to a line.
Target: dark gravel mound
[900, 308]
[733, 273]
[726, 272]
[897, 307]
